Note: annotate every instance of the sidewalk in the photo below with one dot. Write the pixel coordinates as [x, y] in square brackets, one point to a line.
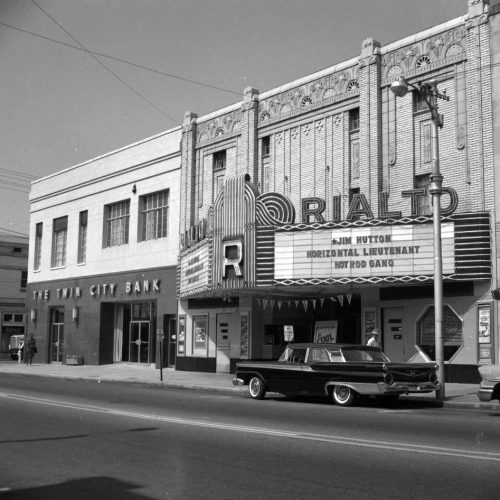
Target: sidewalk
[457, 395]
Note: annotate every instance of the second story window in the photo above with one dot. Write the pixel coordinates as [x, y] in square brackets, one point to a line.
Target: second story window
[354, 120]
[419, 102]
[266, 146]
[354, 143]
[38, 246]
[82, 238]
[59, 239]
[220, 160]
[219, 167]
[154, 215]
[116, 223]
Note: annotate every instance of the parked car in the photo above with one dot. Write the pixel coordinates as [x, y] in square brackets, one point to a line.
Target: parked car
[490, 382]
[342, 372]
[16, 344]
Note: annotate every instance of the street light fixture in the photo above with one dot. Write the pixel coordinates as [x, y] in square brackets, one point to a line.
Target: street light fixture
[429, 92]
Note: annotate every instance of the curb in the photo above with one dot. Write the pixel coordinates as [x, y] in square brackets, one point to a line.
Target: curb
[242, 390]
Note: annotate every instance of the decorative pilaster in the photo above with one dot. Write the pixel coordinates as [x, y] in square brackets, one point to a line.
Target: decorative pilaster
[188, 169]
[249, 143]
[370, 114]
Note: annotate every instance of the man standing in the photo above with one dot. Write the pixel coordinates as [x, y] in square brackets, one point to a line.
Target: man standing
[31, 349]
[374, 340]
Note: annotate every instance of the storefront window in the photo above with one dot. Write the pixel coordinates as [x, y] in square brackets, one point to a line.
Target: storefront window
[452, 332]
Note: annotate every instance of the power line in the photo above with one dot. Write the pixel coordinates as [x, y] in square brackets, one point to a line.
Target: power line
[11, 231]
[106, 68]
[119, 59]
[13, 188]
[7, 182]
[20, 174]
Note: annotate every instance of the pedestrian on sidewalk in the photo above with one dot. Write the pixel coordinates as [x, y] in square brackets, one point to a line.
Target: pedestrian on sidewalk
[31, 350]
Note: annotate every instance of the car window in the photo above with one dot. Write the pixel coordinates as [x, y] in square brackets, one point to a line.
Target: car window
[298, 355]
[318, 354]
[336, 356]
[363, 355]
[286, 355]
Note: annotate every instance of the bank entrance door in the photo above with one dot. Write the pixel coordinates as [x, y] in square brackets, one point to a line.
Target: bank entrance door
[56, 335]
[140, 341]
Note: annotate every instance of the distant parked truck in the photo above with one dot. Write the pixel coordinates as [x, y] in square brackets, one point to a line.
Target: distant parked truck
[16, 345]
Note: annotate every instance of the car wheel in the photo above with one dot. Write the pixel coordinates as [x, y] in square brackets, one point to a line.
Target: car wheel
[256, 388]
[343, 395]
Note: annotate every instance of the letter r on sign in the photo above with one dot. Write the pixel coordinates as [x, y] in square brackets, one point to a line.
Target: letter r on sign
[232, 252]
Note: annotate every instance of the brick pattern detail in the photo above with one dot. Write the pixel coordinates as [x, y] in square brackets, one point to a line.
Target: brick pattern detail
[309, 139]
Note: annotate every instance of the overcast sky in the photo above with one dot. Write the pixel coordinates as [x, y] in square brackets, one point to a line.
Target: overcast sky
[60, 106]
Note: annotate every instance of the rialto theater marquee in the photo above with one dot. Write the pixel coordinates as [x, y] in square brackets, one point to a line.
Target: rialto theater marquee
[251, 240]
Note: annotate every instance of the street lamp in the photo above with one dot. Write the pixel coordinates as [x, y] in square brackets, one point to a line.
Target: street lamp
[429, 92]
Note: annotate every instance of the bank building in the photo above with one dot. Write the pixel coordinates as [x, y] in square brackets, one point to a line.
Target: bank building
[302, 212]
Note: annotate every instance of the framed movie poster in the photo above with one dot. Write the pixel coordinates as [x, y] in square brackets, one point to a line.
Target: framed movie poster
[181, 337]
[244, 335]
[200, 334]
[484, 324]
[369, 322]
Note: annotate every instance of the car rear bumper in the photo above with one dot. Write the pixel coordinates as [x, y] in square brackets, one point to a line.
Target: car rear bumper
[238, 381]
[485, 393]
[412, 388]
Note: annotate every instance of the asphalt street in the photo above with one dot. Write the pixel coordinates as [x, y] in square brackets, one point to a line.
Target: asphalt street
[81, 439]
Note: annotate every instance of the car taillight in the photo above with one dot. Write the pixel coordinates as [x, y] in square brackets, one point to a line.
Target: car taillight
[388, 378]
[433, 378]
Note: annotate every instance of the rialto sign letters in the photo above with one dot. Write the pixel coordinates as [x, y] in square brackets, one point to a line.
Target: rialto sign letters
[250, 240]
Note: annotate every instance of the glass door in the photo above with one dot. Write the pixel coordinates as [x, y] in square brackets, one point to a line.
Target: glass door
[139, 342]
[56, 335]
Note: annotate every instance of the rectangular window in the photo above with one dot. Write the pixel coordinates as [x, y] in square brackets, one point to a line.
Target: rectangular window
[154, 215]
[59, 238]
[419, 102]
[24, 279]
[82, 238]
[219, 167]
[354, 158]
[116, 224]
[220, 160]
[353, 120]
[266, 146]
[38, 245]
[426, 142]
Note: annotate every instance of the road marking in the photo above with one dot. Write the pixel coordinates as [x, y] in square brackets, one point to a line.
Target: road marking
[332, 439]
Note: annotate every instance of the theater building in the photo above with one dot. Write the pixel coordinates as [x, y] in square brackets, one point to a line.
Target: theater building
[306, 212]
[102, 264]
